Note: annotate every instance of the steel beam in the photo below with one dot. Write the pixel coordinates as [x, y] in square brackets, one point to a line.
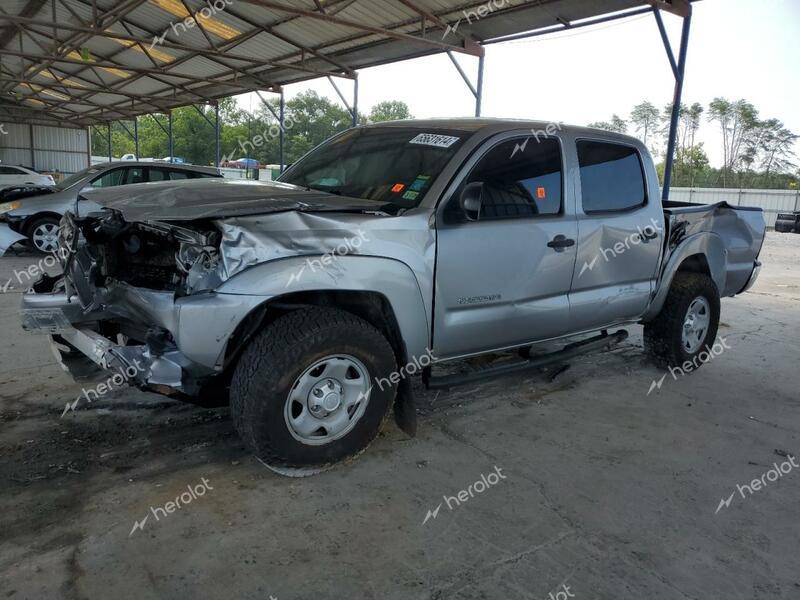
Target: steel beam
[282, 134]
[676, 105]
[479, 94]
[667, 46]
[216, 135]
[364, 27]
[355, 102]
[564, 26]
[171, 147]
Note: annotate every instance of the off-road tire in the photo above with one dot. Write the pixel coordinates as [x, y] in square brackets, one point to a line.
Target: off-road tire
[662, 336]
[277, 356]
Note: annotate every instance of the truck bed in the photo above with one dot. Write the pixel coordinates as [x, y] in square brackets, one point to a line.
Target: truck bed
[741, 229]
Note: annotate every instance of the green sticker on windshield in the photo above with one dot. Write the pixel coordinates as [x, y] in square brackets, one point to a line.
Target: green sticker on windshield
[410, 195]
[419, 183]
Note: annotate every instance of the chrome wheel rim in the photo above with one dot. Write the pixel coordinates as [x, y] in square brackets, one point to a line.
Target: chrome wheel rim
[695, 324]
[45, 237]
[327, 400]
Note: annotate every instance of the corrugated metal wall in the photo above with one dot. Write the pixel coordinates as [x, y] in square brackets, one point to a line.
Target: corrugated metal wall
[47, 149]
[772, 201]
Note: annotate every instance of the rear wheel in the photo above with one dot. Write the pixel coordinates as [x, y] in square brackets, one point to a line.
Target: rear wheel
[43, 234]
[686, 327]
[303, 393]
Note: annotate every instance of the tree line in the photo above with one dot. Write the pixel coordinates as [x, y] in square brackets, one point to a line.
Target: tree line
[757, 153]
[313, 119]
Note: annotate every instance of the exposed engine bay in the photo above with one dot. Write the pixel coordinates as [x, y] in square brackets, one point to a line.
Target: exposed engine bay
[157, 256]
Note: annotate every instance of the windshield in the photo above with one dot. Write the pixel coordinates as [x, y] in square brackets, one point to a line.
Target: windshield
[391, 165]
[76, 177]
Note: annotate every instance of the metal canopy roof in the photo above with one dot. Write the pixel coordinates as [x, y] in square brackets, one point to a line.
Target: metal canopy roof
[82, 62]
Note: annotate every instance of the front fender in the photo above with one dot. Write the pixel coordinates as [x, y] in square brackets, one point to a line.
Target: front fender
[358, 273]
[709, 245]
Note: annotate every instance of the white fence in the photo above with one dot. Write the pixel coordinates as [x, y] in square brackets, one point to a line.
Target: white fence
[772, 201]
[263, 174]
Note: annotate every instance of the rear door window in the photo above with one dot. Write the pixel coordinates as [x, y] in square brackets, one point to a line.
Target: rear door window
[612, 178]
[135, 175]
[178, 175]
[111, 178]
[158, 174]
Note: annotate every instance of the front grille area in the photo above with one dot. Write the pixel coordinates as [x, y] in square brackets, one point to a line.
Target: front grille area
[83, 273]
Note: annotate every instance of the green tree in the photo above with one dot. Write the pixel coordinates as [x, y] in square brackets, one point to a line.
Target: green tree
[738, 123]
[644, 118]
[390, 110]
[617, 124]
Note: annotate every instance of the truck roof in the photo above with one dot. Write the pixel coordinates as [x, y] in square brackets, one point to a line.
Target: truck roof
[494, 125]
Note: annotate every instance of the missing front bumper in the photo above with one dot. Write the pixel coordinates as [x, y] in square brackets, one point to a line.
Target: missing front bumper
[84, 353]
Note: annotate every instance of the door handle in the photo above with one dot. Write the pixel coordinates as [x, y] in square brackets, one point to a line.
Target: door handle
[645, 236]
[560, 242]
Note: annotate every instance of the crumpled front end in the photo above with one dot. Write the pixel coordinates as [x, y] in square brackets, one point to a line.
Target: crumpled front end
[138, 297]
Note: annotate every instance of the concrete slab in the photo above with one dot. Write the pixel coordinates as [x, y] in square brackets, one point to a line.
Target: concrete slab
[607, 488]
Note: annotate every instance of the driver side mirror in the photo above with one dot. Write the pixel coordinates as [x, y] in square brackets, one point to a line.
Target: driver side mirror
[471, 200]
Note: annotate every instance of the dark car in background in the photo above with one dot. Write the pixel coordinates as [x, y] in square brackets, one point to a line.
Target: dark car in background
[788, 222]
[35, 212]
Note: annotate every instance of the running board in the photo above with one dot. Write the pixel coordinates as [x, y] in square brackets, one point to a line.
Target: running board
[604, 340]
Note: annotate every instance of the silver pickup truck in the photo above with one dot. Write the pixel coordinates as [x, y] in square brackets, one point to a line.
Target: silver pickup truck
[381, 254]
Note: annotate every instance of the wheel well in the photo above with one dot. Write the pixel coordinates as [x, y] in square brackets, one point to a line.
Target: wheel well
[373, 307]
[696, 263]
[26, 226]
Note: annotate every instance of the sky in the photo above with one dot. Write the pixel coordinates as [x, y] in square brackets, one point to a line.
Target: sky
[739, 49]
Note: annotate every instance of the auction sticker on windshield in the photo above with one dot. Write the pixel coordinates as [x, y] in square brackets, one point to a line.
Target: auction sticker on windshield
[433, 139]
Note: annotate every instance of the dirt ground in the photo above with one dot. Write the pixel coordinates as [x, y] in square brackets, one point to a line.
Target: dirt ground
[601, 487]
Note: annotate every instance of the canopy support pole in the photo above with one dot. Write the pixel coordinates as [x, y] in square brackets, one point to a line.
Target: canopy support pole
[477, 92]
[169, 135]
[679, 71]
[216, 135]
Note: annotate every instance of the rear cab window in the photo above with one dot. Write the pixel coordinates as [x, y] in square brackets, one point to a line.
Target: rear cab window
[612, 177]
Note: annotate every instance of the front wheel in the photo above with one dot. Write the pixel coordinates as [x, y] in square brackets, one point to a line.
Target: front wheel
[686, 327]
[312, 389]
[43, 234]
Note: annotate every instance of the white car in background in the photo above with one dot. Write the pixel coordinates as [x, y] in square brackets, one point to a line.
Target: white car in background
[13, 176]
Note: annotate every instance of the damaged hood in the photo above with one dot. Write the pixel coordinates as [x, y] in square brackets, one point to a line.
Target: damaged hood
[217, 198]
